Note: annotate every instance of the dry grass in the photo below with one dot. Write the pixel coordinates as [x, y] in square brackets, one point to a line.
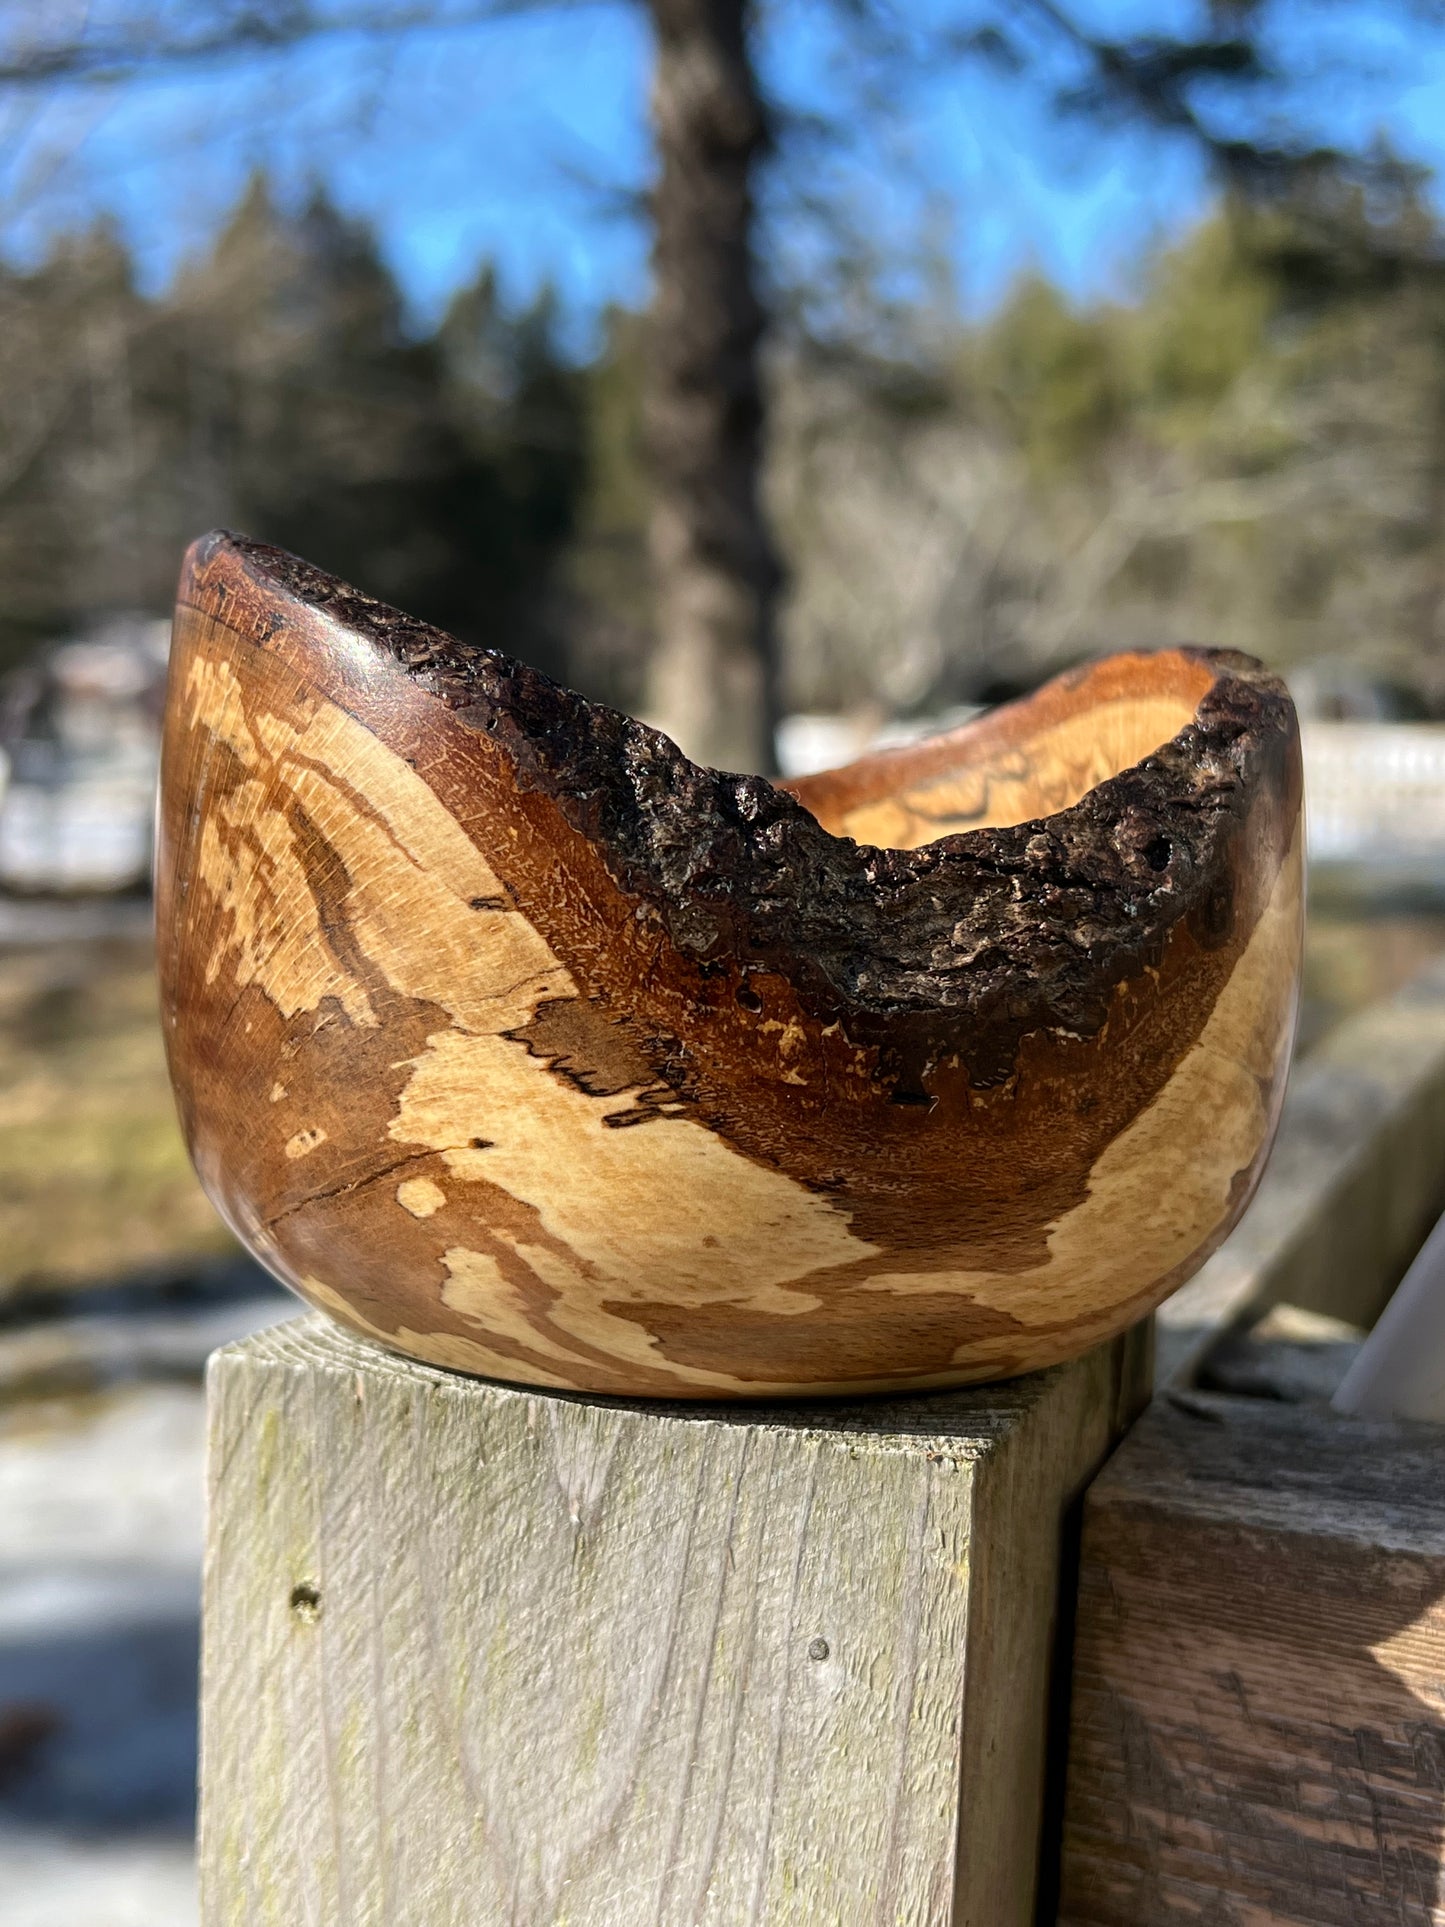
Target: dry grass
[94, 1179]
[1352, 960]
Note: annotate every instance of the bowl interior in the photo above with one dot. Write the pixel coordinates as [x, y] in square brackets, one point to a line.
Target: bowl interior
[1026, 760]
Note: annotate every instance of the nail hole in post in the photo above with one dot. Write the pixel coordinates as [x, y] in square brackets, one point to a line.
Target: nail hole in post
[306, 1602]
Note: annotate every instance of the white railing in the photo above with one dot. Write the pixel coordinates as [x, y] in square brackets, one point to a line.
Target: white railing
[1375, 792]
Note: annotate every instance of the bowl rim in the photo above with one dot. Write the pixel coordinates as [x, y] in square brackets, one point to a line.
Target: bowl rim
[1028, 925]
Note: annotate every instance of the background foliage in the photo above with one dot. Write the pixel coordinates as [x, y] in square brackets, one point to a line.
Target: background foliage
[1249, 451]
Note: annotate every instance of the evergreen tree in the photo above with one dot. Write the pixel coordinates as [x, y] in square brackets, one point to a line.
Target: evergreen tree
[276, 390]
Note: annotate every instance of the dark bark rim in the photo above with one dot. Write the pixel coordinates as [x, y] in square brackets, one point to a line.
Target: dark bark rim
[1023, 926]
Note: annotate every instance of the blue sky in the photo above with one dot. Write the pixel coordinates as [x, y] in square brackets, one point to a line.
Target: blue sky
[525, 141]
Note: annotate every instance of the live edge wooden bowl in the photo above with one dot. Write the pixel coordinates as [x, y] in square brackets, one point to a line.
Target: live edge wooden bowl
[519, 1042]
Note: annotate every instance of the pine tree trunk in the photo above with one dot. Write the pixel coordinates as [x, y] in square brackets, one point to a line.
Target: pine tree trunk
[712, 680]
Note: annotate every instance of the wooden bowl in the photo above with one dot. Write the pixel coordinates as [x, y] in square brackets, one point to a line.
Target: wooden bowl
[521, 1043]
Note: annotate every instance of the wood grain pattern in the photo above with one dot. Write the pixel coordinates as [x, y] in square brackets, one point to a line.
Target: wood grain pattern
[1259, 1683]
[478, 1655]
[1355, 1181]
[516, 1040]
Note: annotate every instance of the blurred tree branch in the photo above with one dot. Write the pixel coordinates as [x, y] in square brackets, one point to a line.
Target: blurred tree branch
[713, 683]
[1178, 84]
[189, 36]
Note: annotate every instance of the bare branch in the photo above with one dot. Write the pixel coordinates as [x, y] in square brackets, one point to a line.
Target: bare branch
[272, 27]
[1154, 77]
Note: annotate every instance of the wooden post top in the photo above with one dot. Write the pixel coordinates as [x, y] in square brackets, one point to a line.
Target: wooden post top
[478, 1653]
[515, 1039]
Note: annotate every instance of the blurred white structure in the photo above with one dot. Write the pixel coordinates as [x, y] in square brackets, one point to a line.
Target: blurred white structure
[1399, 1371]
[1375, 793]
[80, 726]
[807, 742]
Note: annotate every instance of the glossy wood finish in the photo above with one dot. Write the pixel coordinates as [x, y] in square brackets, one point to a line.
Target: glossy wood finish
[516, 1040]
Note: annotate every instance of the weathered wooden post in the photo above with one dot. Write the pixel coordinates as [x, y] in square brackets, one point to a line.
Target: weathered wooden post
[478, 1654]
[529, 1049]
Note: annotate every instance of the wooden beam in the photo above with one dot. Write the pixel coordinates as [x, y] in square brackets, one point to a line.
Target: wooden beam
[1258, 1706]
[479, 1654]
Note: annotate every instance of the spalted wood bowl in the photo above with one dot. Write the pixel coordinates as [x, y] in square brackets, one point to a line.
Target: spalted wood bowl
[516, 1040]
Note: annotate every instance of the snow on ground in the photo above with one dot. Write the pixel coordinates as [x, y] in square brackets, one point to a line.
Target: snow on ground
[100, 1543]
[101, 1513]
